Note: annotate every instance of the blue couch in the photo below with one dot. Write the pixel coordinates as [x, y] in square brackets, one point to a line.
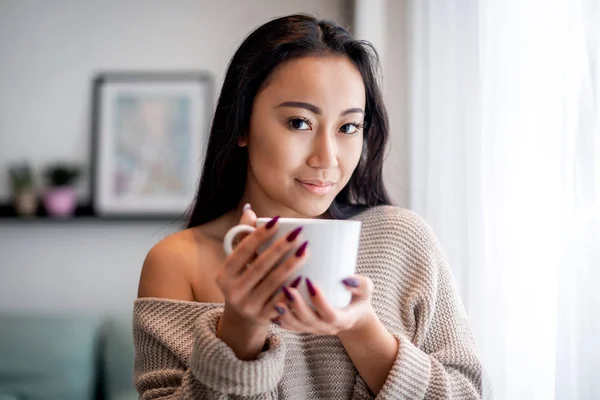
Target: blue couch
[45, 357]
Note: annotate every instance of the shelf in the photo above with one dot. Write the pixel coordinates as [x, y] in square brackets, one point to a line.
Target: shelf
[83, 212]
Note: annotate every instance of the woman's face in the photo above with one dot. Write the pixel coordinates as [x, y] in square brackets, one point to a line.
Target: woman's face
[305, 136]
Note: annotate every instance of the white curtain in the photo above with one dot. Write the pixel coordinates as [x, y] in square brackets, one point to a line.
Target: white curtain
[504, 123]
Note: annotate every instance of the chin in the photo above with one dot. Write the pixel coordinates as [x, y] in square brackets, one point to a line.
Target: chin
[312, 209]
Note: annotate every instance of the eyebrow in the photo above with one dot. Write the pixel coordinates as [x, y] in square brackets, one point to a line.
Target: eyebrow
[314, 109]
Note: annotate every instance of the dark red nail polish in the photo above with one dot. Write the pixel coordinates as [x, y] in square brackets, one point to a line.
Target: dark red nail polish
[350, 282]
[296, 282]
[294, 234]
[311, 288]
[280, 310]
[301, 249]
[276, 321]
[272, 222]
[288, 294]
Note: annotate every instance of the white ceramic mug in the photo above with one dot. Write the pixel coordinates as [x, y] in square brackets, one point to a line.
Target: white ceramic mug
[332, 246]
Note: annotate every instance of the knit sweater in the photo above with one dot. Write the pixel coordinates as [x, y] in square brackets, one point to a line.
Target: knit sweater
[178, 355]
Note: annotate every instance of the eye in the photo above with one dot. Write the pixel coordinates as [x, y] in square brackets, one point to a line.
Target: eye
[350, 128]
[299, 124]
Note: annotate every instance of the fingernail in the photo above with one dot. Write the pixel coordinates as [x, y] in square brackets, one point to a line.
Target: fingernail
[247, 207]
[350, 282]
[276, 321]
[288, 294]
[294, 234]
[311, 288]
[296, 282]
[301, 249]
[272, 222]
[280, 310]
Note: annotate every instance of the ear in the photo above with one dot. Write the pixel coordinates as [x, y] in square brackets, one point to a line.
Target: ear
[243, 141]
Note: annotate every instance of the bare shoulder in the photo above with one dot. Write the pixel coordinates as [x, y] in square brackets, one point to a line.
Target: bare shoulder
[182, 266]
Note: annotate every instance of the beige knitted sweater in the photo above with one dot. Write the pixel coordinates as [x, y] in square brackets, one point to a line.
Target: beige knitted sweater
[178, 355]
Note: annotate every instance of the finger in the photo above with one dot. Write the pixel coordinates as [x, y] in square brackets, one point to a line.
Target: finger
[277, 276]
[248, 279]
[322, 307]
[273, 308]
[247, 248]
[248, 216]
[360, 286]
[288, 321]
[269, 258]
[270, 309]
[303, 312]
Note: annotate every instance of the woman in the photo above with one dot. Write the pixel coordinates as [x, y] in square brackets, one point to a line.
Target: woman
[299, 131]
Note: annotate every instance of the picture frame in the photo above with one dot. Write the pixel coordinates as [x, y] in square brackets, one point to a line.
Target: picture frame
[149, 132]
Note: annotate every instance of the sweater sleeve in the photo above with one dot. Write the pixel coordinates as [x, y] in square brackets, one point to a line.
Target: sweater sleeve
[178, 356]
[439, 361]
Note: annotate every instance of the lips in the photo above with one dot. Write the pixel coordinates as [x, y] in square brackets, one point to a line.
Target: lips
[316, 186]
[315, 182]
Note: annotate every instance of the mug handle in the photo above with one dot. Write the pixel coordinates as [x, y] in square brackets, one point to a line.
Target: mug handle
[232, 233]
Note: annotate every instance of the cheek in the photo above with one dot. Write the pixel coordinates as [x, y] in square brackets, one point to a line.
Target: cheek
[272, 154]
[350, 156]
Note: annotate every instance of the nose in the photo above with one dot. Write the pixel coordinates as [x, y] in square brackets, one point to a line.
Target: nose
[324, 152]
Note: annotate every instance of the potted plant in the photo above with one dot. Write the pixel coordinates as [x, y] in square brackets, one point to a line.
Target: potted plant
[22, 184]
[60, 198]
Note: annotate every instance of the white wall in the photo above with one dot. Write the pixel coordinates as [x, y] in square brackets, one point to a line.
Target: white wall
[79, 266]
[49, 51]
[395, 92]
[384, 24]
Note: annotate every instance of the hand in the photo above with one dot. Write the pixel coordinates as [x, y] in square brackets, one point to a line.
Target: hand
[249, 281]
[296, 315]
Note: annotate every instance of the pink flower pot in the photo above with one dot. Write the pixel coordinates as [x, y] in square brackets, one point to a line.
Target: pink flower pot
[60, 202]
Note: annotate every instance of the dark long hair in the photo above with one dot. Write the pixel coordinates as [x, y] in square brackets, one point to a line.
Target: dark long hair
[224, 172]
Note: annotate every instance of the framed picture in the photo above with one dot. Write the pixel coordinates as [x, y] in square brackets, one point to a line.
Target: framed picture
[149, 133]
